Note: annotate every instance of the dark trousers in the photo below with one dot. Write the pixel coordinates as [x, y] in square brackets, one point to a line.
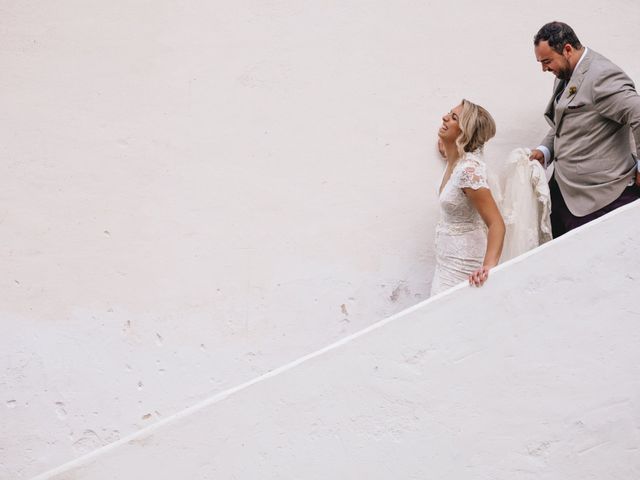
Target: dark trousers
[562, 220]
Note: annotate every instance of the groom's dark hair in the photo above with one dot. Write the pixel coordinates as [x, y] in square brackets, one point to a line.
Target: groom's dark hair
[557, 35]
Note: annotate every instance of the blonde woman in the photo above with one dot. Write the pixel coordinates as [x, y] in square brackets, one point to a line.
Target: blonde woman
[470, 232]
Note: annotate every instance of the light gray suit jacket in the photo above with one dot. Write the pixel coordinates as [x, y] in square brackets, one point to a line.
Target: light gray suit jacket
[590, 137]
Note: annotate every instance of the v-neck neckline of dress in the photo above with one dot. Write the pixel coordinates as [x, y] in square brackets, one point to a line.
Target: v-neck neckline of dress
[443, 186]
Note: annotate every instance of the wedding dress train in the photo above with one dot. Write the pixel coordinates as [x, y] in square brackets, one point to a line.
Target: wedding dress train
[525, 204]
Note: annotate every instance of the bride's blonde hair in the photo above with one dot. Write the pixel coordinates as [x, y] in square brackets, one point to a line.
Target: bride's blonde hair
[477, 126]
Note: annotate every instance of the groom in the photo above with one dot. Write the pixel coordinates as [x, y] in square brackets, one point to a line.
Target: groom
[592, 112]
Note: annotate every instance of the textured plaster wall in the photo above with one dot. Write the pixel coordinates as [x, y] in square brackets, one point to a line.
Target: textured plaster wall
[192, 194]
[534, 376]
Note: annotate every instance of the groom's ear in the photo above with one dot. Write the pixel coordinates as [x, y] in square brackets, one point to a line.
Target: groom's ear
[567, 50]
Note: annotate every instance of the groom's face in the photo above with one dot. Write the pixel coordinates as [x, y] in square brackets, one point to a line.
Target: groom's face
[552, 61]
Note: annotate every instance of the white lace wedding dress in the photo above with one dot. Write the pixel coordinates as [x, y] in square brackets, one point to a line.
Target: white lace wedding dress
[461, 234]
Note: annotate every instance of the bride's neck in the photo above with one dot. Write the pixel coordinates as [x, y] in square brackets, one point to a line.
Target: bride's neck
[451, 150]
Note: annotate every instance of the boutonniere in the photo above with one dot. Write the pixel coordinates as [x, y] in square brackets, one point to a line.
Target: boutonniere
[572, 90]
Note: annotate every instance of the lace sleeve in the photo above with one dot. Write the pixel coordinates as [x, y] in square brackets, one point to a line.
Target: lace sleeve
[473, 174]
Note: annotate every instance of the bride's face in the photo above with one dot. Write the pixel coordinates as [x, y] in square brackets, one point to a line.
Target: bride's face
[450, 128]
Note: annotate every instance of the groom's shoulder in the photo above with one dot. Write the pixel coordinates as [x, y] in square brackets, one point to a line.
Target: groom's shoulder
[602, 65]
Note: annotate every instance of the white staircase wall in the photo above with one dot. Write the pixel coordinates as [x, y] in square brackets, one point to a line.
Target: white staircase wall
[535, 375]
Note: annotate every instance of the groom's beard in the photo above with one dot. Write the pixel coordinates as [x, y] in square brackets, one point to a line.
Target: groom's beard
[565, 74]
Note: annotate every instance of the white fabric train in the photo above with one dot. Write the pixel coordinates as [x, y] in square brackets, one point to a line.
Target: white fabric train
[525, 204]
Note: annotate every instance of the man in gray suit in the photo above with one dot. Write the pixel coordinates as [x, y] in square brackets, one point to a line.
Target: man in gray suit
[592, 113]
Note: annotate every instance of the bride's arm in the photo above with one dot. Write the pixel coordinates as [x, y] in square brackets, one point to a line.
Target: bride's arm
[483, 202]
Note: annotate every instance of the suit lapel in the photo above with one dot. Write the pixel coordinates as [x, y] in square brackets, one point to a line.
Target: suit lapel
[551, 106]
[572, 87]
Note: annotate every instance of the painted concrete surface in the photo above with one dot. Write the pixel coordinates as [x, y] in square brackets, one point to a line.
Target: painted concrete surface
[192, 195]
[533, 376]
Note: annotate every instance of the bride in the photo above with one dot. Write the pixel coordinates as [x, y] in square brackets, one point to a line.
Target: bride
[470, 233]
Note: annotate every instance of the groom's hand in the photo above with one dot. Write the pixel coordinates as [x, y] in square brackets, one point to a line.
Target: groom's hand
[537, 155]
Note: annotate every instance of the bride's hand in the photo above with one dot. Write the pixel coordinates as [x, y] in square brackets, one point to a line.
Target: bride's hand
[479, 276]
[441, 149]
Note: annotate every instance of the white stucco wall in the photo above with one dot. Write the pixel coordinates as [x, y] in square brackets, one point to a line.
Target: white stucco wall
[194, 194]
[534, 376]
